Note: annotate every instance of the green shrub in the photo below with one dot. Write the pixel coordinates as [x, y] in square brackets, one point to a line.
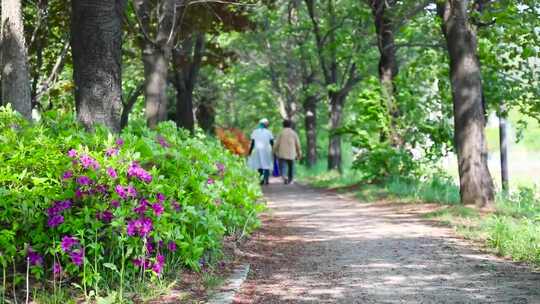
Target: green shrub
[382, 161]
[93, 208]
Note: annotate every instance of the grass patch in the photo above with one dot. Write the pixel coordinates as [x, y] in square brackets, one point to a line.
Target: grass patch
[319, 177]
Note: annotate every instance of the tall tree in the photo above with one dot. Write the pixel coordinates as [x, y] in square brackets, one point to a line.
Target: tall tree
[388, 65]
[340, 73]
[476, 184]
[187, 62]
[15, 76]
[96, 43]
[156, 52]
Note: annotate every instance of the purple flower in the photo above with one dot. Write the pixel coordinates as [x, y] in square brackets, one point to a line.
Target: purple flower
[105, 216]
[162, 141]
[79, 193]
[220, 167]
[58, 207]
[141, 227]
[121, 191]
[158, 209]
[119, 142]
[55, 220]
[209, 181]
[160, 197]
[131, 191]
[84, 180]
[68, 242]
[171, 246]
[141, 209]
[111, 152]
[112, 173]
[158, 265]
[137, 171]
[132, 227]
[67, 175]
[149, 247]
[102, 189]
[77, 257]
[72, 153]
[115, 204]
[146, 226]
[57, 269]
[88, 162]
[176, 205]
[139, 262]
[33, 257]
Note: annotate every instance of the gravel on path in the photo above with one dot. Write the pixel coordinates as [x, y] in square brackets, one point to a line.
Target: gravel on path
[318, 247]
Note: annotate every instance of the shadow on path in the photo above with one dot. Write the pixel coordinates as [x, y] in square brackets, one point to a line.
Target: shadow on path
[315, 247]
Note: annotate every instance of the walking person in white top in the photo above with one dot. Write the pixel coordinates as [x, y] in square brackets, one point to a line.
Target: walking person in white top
[287, 149]
[260, 150]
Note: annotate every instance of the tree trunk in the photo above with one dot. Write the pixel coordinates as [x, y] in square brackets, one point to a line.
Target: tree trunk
[128, 105]
[476, 184]
[156, 55]
[310, 107]
[156, 63]
[334, 141]
[96, 43]
[15, 76]
[503, 140]
[184, 108]
[206, 116]
[388, 66]
[187, 63]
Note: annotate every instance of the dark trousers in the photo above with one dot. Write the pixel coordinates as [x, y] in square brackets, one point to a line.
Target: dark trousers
[265, 176]
[286, 165]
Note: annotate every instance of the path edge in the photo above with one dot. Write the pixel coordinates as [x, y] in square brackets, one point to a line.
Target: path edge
[231, 287]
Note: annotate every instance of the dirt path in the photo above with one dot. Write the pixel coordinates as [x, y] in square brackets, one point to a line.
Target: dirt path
[316, 247]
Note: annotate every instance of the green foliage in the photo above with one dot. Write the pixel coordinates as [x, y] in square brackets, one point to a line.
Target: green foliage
[383, 161]
[436, 189]
[191, 190]
[518, 238]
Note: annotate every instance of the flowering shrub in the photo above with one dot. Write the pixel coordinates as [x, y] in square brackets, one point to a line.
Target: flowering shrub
[234, 140]
[78, 206]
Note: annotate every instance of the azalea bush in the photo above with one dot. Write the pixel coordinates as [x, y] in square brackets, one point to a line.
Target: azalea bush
[97, 210]
[234, 140]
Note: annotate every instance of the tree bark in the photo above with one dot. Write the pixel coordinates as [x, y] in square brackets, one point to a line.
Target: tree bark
[187, 62]
[334, 142]
[128, 105]
[156, 55]
[156, 63]
[476, 184]
[16, 88]
[388, 65]
[206, 116]
[96, 43]
[503, 140]
[310, 116]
